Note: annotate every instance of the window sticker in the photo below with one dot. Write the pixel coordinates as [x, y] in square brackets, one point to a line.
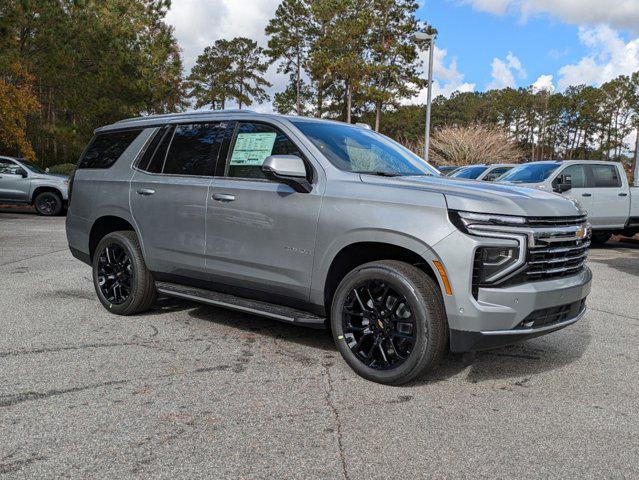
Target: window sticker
[251, 149]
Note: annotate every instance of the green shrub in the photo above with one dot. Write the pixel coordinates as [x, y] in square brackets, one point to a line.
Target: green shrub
[63, 168]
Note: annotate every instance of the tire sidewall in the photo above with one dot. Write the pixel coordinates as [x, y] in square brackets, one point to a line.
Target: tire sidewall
[58, 208]
[117, 239]
[422, 317]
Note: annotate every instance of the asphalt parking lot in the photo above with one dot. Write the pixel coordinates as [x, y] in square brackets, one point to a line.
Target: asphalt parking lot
[190, 391]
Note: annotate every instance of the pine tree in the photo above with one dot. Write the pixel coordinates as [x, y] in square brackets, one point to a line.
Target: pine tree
[394, 62]
[229, 70]
[290, 35]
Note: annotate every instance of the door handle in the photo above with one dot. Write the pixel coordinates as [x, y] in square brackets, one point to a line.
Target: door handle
[223, 197]
[586, 194]
[623, 194]
[145, 191]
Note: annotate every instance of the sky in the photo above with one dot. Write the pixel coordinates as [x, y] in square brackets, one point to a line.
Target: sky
[482, 44]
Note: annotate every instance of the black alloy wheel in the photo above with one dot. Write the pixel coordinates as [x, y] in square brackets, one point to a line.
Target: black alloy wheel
[115, 273]
[389, 322]
[48, 204]
[378, 325]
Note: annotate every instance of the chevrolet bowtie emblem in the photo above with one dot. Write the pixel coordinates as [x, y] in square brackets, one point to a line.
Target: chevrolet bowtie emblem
[581, 233]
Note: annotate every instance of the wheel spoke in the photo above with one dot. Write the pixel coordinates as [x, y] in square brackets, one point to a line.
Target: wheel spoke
[379, 325]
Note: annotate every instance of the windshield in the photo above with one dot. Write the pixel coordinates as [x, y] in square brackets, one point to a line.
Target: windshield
[355, 149]
[469, 172]
[31, 166]
[531, 173]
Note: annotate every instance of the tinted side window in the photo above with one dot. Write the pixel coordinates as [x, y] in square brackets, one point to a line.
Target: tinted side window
[254, 142]
[7, 166]
[606, 176]
[149, 158]
[194, 149]
[579, 178]
[105, 148]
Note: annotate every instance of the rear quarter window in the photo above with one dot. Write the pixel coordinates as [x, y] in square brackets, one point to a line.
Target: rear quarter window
[606, 176]
[105, 148]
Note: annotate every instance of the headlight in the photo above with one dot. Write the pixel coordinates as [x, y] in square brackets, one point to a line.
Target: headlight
[493, 263]
[463, 220]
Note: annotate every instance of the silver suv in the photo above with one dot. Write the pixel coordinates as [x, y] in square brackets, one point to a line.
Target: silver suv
[326, 225]
[23, 183]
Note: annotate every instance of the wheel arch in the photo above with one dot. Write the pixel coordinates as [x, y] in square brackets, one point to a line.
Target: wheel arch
[45, 188]
[103, 226]
[358, 253]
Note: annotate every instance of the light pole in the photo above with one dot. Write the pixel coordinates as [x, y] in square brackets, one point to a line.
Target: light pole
[429, 38]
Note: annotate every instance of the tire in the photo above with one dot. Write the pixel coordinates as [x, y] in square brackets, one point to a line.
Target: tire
[599, 238]
[137, 287]
[428, 322]
[48, 204]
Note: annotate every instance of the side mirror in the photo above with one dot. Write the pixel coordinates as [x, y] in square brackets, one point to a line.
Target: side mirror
[46, 170]
[563, 183]
[289, 170]
[23, 173]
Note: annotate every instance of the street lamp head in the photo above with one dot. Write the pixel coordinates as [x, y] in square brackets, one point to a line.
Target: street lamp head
[423, 37]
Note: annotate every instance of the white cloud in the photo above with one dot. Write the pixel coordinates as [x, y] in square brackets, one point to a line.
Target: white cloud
[446, 77]
[611, 56]
[623, 14]
[503, 72]
[543, 83]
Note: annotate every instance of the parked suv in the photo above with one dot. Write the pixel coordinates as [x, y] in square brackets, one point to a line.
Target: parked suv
[600, 187]
[324, 224]
[23, 183]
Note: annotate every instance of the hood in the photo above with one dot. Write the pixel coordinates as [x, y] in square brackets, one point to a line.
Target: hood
[486, 197]
[54, 177]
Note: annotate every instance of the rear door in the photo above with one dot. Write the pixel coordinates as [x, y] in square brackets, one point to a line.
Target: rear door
[13, 186]
[168, 195]
[260, 233]
[611, 198]
[582, 185]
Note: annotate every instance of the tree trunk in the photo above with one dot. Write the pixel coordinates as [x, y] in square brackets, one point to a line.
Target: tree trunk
[635, 163]
[298, 81]
[378, 114]
[349, 103]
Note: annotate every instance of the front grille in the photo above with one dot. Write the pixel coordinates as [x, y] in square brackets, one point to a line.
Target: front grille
[548, 316]
[555, 221]
[552, 255]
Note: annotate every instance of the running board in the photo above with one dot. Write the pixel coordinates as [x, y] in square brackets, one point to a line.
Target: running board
[253, 307]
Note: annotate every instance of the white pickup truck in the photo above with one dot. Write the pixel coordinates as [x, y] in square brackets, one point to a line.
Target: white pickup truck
[600, 187]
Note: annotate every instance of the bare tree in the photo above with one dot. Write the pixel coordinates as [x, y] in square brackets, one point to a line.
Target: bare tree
[471, 145]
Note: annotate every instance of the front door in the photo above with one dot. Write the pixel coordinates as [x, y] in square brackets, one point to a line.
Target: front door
[581, 190]
[14, 187]
[260, 234]
[168, 194]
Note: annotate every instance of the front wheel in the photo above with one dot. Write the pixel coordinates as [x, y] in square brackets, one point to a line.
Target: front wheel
[388, 321]
[48, 204]
[123, 283]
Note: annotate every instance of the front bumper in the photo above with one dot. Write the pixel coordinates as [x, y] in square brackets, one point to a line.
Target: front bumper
[498, 316]
[464, 341]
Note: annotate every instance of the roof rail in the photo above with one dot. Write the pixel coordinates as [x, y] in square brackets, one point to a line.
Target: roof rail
[185, 114]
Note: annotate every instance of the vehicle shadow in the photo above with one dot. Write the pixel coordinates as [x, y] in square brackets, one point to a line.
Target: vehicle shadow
[521, 360]
[524, 359]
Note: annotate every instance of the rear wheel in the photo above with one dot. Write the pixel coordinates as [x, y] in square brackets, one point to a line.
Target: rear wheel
[388, 321]
[599, 238]
[123, 283]
[48, 204]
